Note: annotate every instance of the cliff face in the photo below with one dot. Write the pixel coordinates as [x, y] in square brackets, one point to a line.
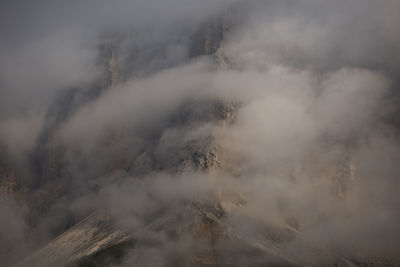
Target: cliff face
[51, 177]
[9, 182]
[202, 227]
[49, 162]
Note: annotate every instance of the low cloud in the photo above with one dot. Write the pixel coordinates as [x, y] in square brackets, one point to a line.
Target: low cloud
[310, 143]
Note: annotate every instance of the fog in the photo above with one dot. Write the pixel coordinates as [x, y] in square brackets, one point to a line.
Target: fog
[313, 135]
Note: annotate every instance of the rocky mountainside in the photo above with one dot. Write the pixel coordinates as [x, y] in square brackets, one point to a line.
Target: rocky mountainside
[100, 199]
[51, 178]
[98, 241]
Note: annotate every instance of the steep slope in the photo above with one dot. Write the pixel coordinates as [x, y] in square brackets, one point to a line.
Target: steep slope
[193, 231]
[86, 238]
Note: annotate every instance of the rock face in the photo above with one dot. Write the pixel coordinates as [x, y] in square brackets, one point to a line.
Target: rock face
[8, 181]
[88, 240]
[98, 240]
[85, 239]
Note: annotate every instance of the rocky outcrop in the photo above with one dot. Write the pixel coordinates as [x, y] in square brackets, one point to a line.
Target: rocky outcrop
[93, 234]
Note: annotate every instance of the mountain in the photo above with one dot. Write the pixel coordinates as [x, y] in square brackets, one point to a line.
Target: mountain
[161, 181]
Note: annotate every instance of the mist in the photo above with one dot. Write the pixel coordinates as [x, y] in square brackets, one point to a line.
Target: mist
[111, 106]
